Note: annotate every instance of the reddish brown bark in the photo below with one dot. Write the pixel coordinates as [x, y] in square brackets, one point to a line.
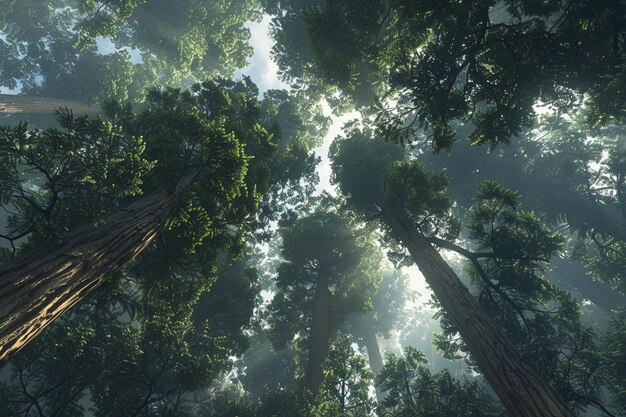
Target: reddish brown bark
[522, 392]
[39, 287]
[39, 105]
[320, 337]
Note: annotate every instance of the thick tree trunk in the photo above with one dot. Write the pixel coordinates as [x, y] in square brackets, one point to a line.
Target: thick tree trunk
[522, 392]
[319, 338]
[38, 105]
[39, 287]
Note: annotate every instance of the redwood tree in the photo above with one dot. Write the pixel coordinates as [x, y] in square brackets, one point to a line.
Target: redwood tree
[328, 271]
[411, 203]
[191, 153]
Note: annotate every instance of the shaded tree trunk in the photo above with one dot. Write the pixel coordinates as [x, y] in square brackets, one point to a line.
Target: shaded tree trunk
[522, 392]
[363, 331]
[320, 336]
[38, 105]
[37, 288]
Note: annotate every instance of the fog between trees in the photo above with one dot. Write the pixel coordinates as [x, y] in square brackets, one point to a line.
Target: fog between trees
[165, 249]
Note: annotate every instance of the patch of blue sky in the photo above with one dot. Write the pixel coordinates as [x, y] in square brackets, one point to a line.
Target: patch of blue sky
[106, 46]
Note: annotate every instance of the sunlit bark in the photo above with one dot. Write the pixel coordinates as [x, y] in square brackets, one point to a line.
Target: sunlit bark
[41, 105]
[37, 288]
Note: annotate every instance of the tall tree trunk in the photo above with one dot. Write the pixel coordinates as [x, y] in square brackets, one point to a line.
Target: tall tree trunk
[38, 105]
[374, 356]
[522, 392]
[320, 336]
[373, 350]
[39, 287]
[365, 333]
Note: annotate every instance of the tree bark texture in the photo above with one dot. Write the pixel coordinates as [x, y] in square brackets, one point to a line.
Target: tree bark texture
[320, 336]
[522, 392]
[37, 105]
[37, 288]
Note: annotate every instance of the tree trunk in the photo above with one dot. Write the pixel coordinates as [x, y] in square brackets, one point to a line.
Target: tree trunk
[319, 338]
[373, 351]
[38, 105]
[522, 392]
[374, 356]
[39, 287]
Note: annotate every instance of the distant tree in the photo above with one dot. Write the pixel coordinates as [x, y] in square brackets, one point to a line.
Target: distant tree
[345, 388]
[329, 270]
[388, 307]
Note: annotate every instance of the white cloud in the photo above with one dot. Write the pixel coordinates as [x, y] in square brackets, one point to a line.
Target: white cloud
[261, 69]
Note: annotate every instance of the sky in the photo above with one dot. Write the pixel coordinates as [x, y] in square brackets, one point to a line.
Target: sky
[264, 73]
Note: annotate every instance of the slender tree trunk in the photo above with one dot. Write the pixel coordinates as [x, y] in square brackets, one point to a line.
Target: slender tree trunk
[522, 392]
[320, 336]
[38, 105]
[374, 356]
[365, 333]
[373, 351]
[39, 287]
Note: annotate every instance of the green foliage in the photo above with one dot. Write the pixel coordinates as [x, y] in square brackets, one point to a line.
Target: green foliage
[173, 320]
[359, 166]
[487, 62]
[178, 43]
[414, 391]
[345, 389]
[512, 249]
[60, 179]
[613, 361]
[516, 238]
[419, 194]
[322, 243]
[371, 175]
[608, 265]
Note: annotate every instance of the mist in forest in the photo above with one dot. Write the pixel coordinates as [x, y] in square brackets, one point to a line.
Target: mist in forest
[312, 208]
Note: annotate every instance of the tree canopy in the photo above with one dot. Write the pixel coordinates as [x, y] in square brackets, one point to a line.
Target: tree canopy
[428, 220]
